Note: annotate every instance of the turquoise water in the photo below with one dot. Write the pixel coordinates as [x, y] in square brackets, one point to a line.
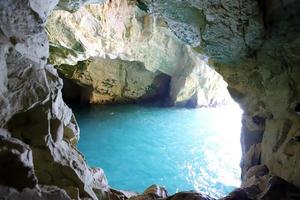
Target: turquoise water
[181, 149]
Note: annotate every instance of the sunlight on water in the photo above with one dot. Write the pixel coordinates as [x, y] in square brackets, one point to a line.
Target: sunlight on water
[222, 157]
[181, 149]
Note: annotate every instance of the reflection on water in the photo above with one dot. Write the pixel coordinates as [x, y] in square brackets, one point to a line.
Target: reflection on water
[181, 149]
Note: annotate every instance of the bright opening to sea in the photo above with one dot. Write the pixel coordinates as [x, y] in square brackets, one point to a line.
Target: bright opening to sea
[181, 149]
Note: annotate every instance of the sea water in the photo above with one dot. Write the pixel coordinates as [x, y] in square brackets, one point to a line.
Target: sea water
[178, 148]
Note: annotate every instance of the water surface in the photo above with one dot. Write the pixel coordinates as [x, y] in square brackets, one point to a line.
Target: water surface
[181, 149]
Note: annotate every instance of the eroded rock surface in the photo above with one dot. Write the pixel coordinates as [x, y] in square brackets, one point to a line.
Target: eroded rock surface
[40, 193]
[254, 48]
[104, 81]
[266, 86]
[41, 131]
[223, 30]
[119, 29]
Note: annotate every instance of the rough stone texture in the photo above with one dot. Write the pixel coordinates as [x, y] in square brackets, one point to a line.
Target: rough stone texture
[115, 81]
[32, 109]
[120, 194]
[189, 196]
[119, 29]
[266, 86]
[200, 86]
[159, 191]
[259, 184]
[262, 73]
[222, 29]
[153, 192]
[254, 48]
[16, 165]
[73, 5]
[238, 194]
[40, 193]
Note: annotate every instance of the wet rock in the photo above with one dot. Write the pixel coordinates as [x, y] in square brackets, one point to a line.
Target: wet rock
[255, 181]
[259, 184]
[151, 193]
[189, 196]
[120, 194]
[159, 191]
[238, 194]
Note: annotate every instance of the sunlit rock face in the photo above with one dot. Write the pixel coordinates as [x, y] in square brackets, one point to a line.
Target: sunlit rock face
[38, 131]
[115, 81]
[120, 29]
[267, 87]
[254, 47]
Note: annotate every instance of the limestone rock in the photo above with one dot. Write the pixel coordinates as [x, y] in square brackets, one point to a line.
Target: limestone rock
[159, 191]
[151, 193]
[260, 67]
[280, 190]
[251, 158]
[38, 130]
[266, 86]
[188, 196]
[16, 165]
[119, 29]
[115, 81]
[120, 194]
[223, 30]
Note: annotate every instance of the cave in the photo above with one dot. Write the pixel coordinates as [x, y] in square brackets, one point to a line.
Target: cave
[130, 101]
[184, 53]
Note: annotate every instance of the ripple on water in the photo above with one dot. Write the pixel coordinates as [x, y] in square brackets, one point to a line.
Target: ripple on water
[181, 149]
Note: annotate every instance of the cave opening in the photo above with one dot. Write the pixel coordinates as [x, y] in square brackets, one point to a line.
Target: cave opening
[150, 108]
[252, 44]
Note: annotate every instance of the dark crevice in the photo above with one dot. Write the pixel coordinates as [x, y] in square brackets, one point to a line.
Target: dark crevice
[297, 108]
[74, 93]
[260, 121]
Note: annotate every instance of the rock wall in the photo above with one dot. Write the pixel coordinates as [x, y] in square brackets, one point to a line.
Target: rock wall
[105, 81]
[252, 44]
[267, 87]
[38, 132]
[119, 29]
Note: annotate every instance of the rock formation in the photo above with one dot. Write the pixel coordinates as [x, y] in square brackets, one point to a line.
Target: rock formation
[38, 131]
[252, 44]
[119, 29]
[258, 60]
[114, 81]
